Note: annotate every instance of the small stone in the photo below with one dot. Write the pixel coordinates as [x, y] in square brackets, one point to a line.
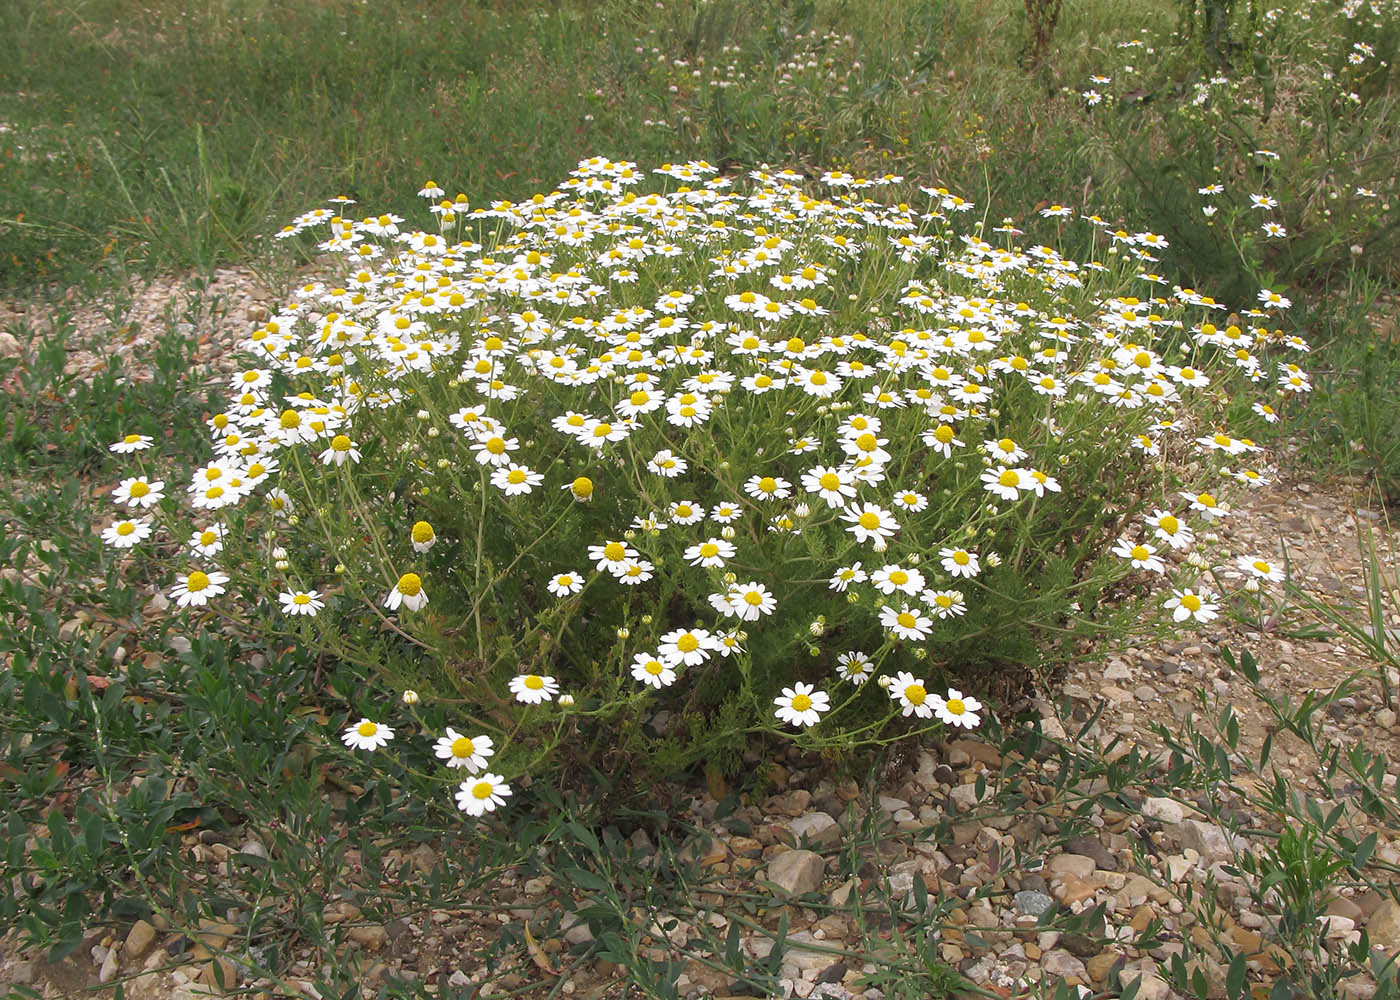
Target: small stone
[1151, 986]
[964, 797]
[1093, 847]
[579, 933]
[371, 937]
[1033, 903]
[1118, 670]
[9, 346]
[797, 872]
[1069, 864]
[816, 827]
[1209, 840]
[22, 974]
[1063, 964]
[1343, 907]
[1384, 927]
[793, 803]
[1385, 718]
[1164, 810]
[339, 911]
[139, 939]
[110, 964]
[1071, 889]
[1099, 966]
[459, 979]
[841, 895]
[254, 848]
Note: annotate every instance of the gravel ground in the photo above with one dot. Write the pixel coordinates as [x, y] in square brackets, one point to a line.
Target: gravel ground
[995, 872]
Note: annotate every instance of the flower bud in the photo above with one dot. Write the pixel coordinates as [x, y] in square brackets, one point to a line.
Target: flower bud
[424, 415]
[624, 632]
[566, 701]
[727, 532]
[410, 697]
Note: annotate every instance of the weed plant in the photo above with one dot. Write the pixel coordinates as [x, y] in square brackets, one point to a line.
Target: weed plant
[616, 472]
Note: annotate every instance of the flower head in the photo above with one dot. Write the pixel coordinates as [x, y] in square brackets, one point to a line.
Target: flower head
[532, 689]
[801, 705]
[483, 794]
[367, 735]
[957, 709]
[456, 750]
[408, 593]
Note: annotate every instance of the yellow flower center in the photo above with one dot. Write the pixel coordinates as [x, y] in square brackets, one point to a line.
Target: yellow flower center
[1262, 566]
[767, 484]
[1206, 500]
[818, 378]
[340, 443]
[131, 438]
[410, 585]
[290, 419]
[302, 599]
[1190, 602]
[906, 619]
[614, 551]
[869, 521]
[534, 682]
[1169, 524]
[687, 643]
[961, 558]
[423, 532]
[956, 706]
[125, 528]
[654, 667]
[915, 694]
[899, 577]
[208, 537]
[753, 598]
[496, 446]
[800, 703]
[944, 434]
[1009, 478]
[867, 442]
[830, 481]
[684, 510]
[1140, 552]
[139, 489]
[197, 581]
[582, 487]
[482, 790]
[462, 747]
[367, 729]
[943, 601]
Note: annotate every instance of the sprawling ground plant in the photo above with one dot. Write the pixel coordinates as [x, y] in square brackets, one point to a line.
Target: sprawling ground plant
[613, 473]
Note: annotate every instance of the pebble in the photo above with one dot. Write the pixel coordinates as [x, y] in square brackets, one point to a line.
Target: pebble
[1033, 903]
[1163, 809]
[796, 873]
[139, 939]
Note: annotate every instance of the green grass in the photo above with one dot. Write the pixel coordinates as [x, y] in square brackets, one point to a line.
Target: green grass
[177, 136]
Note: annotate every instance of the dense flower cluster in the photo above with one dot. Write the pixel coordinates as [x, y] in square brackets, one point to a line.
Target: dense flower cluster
[803, 403]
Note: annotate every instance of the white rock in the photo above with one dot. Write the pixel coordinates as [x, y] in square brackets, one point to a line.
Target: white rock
[1163, 809]
[797, 872]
